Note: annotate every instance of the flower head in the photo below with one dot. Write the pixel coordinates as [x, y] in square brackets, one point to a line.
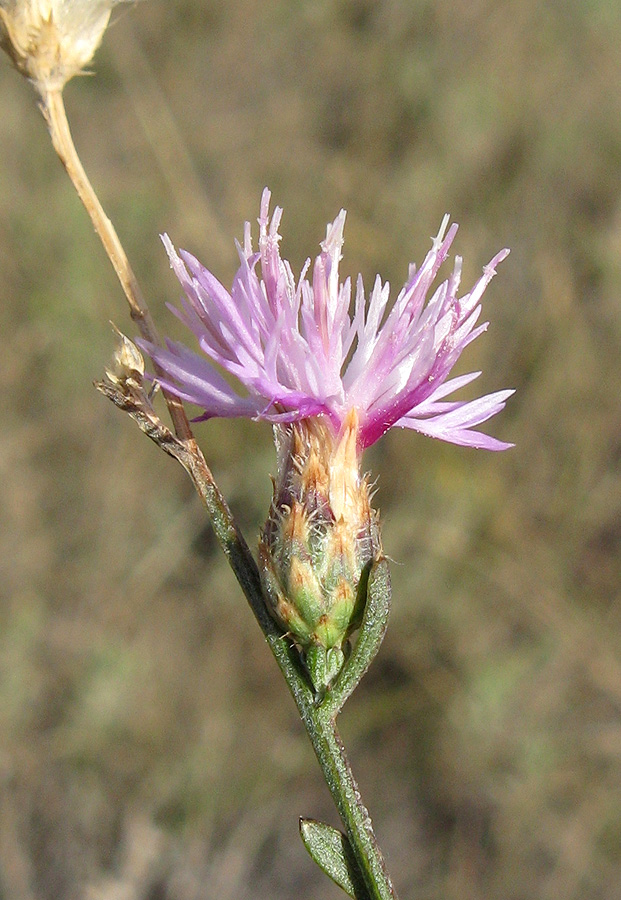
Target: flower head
[332, 382]
[50, 41]
[299, 353]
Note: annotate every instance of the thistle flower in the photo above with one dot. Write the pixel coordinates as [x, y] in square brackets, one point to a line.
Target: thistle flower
[50, 41]
[299, 353]
[332, 382]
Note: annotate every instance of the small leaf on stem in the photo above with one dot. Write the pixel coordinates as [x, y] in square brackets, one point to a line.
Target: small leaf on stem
[332, 852]
[370, 636]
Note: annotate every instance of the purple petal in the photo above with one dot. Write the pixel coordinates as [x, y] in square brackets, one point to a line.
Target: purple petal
[297, 351]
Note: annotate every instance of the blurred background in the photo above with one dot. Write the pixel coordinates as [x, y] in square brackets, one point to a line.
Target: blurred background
[149, 749]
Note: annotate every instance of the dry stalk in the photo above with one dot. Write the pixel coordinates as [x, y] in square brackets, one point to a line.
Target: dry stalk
[53, 109]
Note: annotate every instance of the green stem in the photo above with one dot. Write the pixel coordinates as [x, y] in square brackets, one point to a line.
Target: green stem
[319, 720]
[333, 760]
[320, 724]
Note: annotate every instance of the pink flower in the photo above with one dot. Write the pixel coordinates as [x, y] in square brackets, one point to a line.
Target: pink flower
[298, 352]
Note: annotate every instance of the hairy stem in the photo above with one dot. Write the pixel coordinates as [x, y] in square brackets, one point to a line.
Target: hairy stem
[332, 756]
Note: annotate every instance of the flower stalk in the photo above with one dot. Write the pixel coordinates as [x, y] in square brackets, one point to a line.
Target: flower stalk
[53, 108]
[49, 42]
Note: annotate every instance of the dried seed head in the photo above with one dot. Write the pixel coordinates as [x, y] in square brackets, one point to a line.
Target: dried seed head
[50, 41]
[319, 538]
[127, 368]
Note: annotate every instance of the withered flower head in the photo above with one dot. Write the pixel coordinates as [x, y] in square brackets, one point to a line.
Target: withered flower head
[50, 41]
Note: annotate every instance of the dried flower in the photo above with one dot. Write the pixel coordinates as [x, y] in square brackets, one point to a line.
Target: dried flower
[127, 367]
[50, 41]
[332, 383]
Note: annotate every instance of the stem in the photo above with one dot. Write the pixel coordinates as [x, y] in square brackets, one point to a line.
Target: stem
[319, 721]
[53, 108]
[330, 751]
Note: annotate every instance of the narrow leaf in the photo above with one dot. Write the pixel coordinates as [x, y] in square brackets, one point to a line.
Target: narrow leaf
[332, 852]
[370, 636]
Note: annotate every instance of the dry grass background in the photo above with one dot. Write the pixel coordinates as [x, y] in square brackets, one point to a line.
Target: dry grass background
[149, 750]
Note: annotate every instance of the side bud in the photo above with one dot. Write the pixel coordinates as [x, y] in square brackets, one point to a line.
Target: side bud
[319, 542]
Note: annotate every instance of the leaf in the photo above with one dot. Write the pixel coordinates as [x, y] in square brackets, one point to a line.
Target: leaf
[370, 636]
[332, 852]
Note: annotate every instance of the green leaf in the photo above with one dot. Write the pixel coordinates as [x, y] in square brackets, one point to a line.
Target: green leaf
[332, 852]
[370, 636]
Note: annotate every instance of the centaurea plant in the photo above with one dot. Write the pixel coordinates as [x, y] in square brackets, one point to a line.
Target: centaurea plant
[332, 374]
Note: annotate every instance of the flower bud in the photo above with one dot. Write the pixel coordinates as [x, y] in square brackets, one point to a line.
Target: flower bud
[320, 537]
[50, 41]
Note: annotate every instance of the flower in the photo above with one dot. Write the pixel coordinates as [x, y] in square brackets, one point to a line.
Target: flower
[299, 353]
[50, 41]
[332, 382]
